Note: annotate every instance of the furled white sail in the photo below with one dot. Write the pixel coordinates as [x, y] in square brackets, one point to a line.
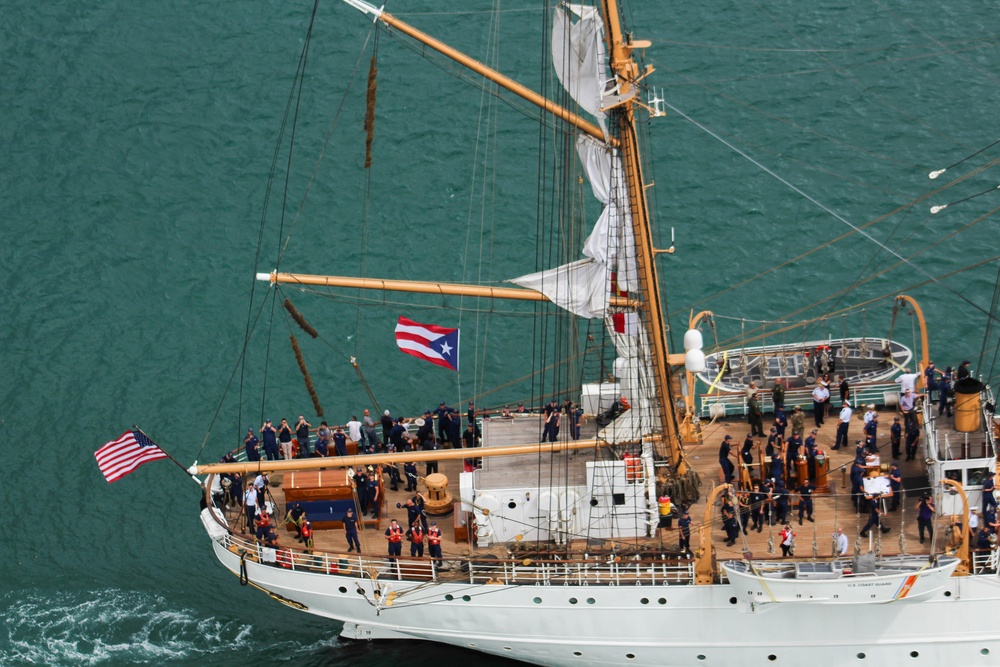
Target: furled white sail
[579, 57]
[580, 287]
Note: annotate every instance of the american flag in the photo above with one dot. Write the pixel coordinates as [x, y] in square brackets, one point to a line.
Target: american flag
[120, 457]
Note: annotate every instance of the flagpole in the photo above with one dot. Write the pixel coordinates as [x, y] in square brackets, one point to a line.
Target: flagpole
[187, 473]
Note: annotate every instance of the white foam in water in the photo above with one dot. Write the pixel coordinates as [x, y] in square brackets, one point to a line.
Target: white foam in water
[92, 628]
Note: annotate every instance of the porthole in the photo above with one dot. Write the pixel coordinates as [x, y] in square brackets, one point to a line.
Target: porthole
[572, 600]
[511, 505]
[472, 644]
[732, 600]
[591, 600]
[537, 600]
[701, 657]
[947, 594]
[662, 600]
[342, 589]
[361, 591]
[577, 653]
[644, 600]
[861, 656]
[593, 502]
[466, 598]
[630, 656]
[507, 648]
[772, 657]
[449, 597]
[914, 654]
[984, 651]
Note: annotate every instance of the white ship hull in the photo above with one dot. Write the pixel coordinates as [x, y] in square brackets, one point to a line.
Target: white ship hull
[676, 625]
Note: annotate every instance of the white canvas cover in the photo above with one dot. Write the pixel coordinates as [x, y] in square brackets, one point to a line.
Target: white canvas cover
[579, 57]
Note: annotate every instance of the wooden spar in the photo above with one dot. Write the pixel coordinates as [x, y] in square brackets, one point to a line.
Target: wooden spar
[704, 561]
[396, 457]
[627, 72]
[484, 71]
[963, 550]
[925, 353]
[422, 287]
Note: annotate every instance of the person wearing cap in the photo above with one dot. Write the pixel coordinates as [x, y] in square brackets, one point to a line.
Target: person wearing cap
[351, 531]
[925, 517]
[506, 413]
[361, 488]
[798, 420]
[896, 437]
[551, 429]
[725, 451]
[521, 409]
[989, 486]
[434, 543]
[871, 432]
[339, 442]
[269, 436]
[844, 388]
[285, 439]
[780, 421]
[912, 439]
[842, 426]
[963, 370]
[870, 413]
[684, 532]
[792, 447]
[394, 536]
[810, 452]
[930, 382]
[375, 491]
[896, 484]
[945, 392]
[746, 452]
[252, 445]
[805, 491]
[443, 420]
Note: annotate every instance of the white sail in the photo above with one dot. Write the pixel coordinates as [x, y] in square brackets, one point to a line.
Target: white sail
[580, 287]
[579, 58]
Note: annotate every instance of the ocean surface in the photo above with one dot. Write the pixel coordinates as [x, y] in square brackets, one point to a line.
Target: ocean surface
[136, 144]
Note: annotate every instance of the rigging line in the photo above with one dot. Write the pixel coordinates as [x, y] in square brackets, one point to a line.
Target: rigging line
[887, 295]
[937, 209]
[989, 326]
[296, 95]
[822, 206]
[893, 266]
[326, 142]
[240, 366]
[935, 41]
[263, 216]
[873, 49]
[938, 172]
[843, 236]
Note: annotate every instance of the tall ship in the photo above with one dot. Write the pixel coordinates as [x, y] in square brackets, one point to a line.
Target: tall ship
[607, 519]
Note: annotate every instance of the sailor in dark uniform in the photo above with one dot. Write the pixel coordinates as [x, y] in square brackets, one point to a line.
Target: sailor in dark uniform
[727, 466]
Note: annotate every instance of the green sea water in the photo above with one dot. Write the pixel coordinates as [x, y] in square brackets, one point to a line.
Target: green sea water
[136, 142]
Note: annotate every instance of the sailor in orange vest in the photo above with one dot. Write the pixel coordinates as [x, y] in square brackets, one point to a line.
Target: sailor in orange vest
[395, 536]
[434, 542]
[416, 536]
[307, 535]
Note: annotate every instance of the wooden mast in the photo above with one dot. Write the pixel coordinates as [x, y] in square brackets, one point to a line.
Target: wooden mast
[627, 72]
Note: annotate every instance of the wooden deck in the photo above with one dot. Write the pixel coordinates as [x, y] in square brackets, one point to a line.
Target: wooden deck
[832, 508]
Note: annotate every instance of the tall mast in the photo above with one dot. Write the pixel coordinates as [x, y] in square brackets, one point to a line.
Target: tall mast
[627, 72]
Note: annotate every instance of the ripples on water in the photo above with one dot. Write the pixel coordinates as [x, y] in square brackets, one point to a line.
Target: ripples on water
[136, 142]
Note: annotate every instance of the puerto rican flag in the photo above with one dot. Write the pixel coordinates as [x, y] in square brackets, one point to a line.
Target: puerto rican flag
[438, 345]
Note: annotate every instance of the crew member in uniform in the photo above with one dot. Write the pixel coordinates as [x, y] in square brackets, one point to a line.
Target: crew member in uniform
[375, 493]
[896, 438]
[989, 486]
[416, 537]
[434, 542]
[394, 535]
[361, 488]
[727, 466]
[302, 435]
[684, 532]
[351, 530]
[805, 492]
[252, 446]
[896, 484]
